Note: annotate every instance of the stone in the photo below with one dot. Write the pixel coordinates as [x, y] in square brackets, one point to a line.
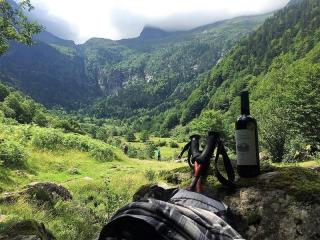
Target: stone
[155, 191]
[26, 230]
[47, 192]
[74, 171]
[87, 179]
[42, 192]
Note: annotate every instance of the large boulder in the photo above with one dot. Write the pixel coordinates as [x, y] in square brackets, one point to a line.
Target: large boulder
[281, 204]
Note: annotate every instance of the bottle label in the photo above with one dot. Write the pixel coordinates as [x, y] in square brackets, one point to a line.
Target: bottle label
[246, 147]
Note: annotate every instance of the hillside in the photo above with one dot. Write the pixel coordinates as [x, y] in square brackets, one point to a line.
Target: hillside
[164, 70]
[57, 72]
[279, 65]
[53, 170]
[135, 102]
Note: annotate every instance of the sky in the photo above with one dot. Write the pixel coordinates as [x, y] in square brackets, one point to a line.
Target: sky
[80, 20]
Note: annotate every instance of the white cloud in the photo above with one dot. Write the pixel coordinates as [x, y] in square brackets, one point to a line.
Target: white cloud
[82, 19]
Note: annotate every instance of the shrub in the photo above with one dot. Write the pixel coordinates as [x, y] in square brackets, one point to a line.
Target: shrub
[150, 148]
[144, 136]
[114, 141]
[12, 154]
[74, 141]
[130, 137]
[68, 125]
[103, 134]
[101, 152]
[132, 152]
[47, 139]
[52, 139]
[150, 175]
[174, 145]
[40, 119]
[161, 144]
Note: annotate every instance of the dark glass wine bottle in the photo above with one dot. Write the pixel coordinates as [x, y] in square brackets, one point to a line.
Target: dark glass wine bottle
[248, 163]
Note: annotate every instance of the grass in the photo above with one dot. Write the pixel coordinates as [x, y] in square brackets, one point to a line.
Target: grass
[98, 189]
[167, 153]
[100, 185]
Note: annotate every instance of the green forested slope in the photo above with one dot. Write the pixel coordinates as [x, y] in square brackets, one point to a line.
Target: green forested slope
[279, 64]
[160, 68]
[149, 69]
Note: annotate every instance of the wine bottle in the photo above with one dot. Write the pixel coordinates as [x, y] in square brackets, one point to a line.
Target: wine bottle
[248, 164]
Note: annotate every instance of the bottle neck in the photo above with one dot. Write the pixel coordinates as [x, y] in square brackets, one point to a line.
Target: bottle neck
[245, 109]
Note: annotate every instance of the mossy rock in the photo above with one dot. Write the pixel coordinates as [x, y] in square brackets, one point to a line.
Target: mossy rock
[26, 229]
[46, 192]
[301, 183]
[176, 176]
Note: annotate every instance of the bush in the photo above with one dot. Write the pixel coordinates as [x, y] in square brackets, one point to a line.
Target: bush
[54, 140]
[174, 145]
[40, 119]
[150, 175]
[68, 125]
[150, 148]
[161, 144]
[114, 141]
[103, 134]
[132, 152]
[74, 141]
[144, 136]
[130, 137]
[12, 154]
[49, 139]
[101, 152]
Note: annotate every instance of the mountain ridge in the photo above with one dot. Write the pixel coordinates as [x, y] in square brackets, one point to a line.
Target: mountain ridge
[108, 66]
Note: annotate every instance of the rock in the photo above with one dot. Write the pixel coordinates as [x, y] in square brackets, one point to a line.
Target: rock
[277, 205]
[27, 229]
[74, 171]
[264, 156]
[42, 192]
[283, 203]
[87, 179]
[317, 169]
[153, 191]
[47, 192]
[268, 176]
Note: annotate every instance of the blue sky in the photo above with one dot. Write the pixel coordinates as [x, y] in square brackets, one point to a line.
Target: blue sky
[80, 20]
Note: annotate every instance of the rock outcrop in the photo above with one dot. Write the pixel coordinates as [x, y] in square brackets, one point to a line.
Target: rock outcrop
[26, 230]
[281, 204]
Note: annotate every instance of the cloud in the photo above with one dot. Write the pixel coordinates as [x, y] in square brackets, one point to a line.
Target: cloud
[115, 19]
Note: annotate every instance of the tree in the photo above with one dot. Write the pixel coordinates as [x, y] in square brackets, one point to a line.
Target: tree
[130, 137]
[14, 25]
[4, 92]
[144, 136]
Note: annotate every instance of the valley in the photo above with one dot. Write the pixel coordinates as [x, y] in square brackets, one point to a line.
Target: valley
[68, 110]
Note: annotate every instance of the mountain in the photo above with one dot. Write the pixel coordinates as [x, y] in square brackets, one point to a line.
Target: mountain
[147, 70]
[294, 2]
[158, 72]
[51, 74]
[149, 32]
[279, 64]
